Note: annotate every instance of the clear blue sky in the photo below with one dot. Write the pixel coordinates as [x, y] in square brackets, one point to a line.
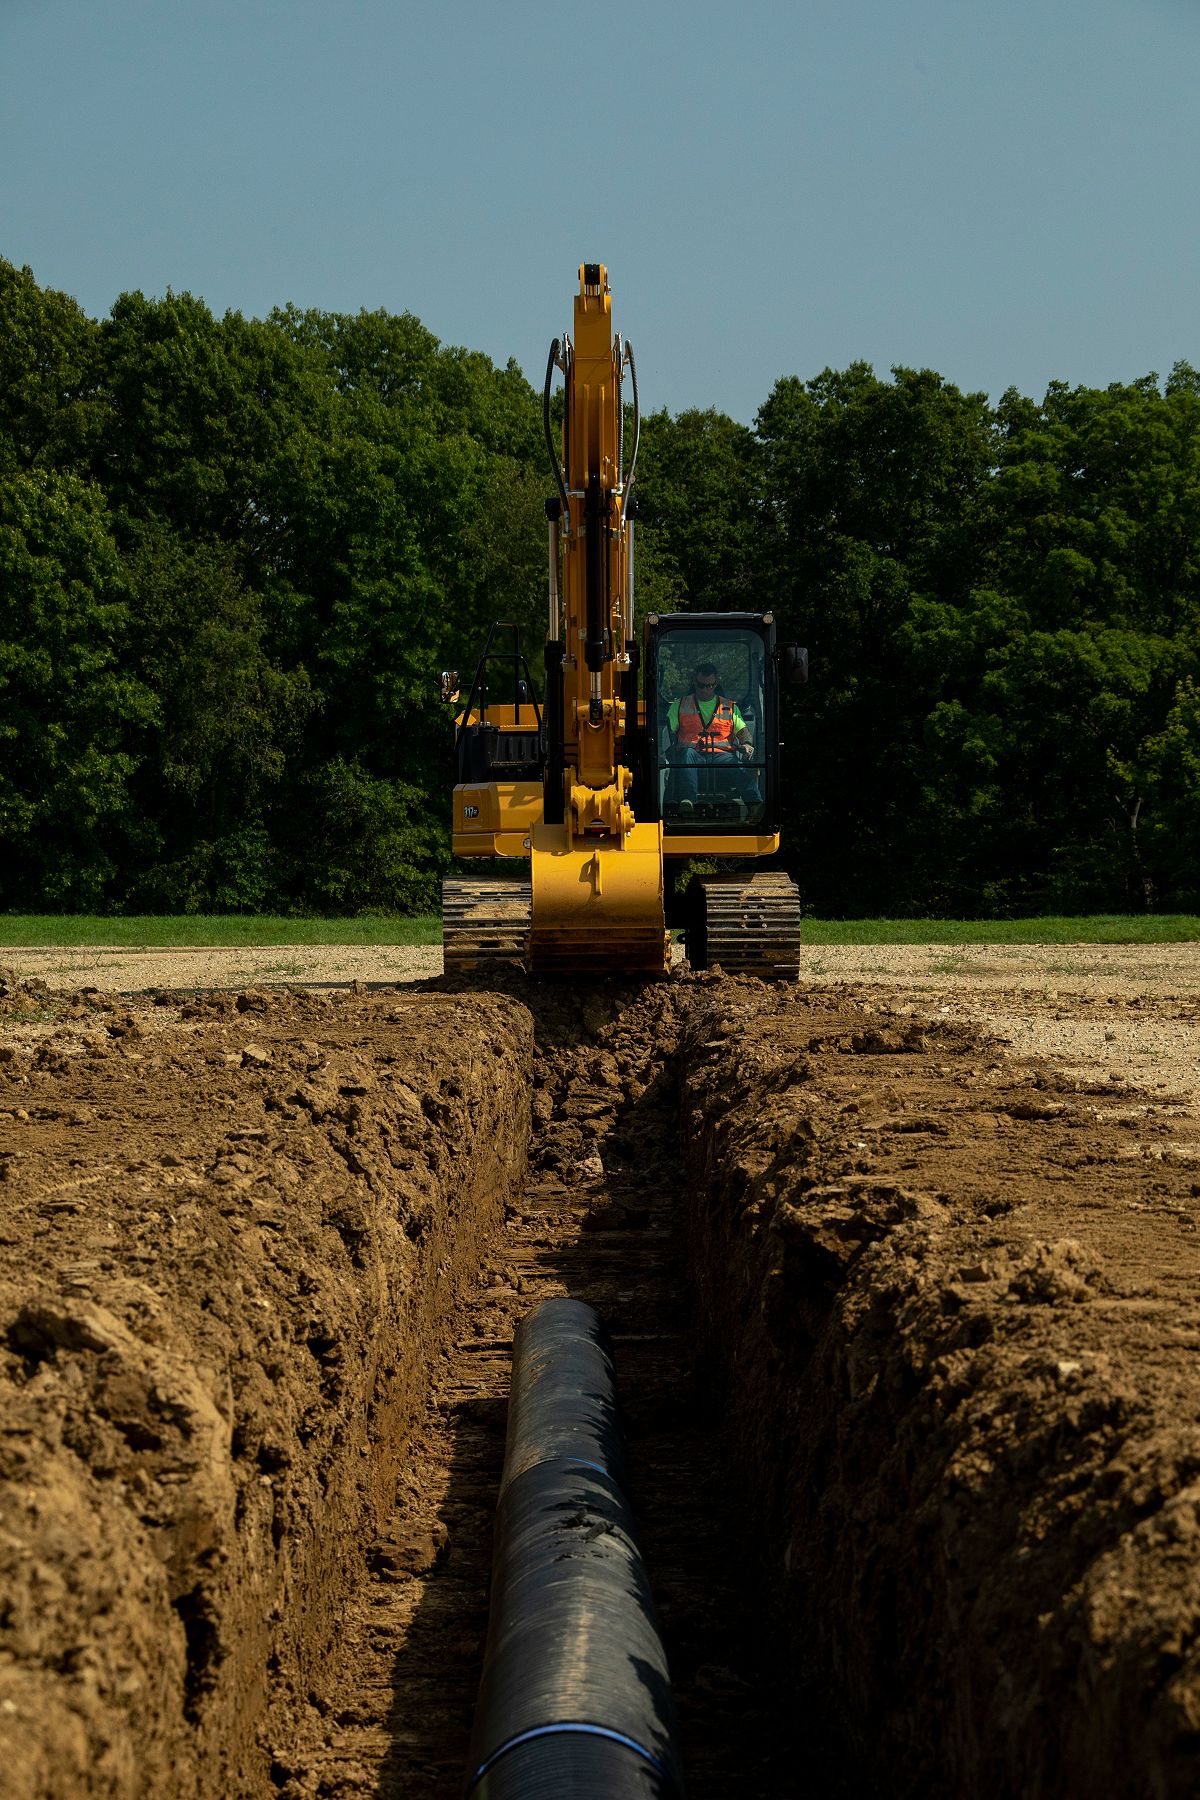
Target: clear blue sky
[1005, 192]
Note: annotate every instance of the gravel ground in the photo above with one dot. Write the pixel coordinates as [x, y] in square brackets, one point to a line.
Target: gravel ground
[1129, 1008]
[308, 965]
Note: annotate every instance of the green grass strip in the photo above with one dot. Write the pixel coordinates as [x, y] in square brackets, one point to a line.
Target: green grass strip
[19, 930]
[1109, 928]
[207, 930]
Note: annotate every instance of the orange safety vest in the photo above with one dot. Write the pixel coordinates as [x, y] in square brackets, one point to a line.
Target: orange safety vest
[714, 738]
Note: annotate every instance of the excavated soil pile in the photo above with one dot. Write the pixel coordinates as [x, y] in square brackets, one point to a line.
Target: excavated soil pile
[231, 1234]
[954, 1301]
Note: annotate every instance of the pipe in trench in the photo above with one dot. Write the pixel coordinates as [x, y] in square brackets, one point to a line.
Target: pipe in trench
[574, 1700]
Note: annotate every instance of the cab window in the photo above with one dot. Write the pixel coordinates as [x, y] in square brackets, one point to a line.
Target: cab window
[709, 689]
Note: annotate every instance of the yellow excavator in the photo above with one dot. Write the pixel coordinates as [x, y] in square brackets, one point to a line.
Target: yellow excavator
[607, 791]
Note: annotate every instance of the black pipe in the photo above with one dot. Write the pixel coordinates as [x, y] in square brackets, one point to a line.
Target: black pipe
[575, 1701]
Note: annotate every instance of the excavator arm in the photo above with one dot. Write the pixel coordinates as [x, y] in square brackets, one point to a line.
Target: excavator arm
[597, 872]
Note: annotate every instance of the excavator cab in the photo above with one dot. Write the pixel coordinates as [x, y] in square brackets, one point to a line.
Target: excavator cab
[712, 725]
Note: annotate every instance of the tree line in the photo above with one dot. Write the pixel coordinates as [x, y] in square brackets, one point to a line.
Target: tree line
[235, 554]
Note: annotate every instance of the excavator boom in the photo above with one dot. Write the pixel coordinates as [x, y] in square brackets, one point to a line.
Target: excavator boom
[597, 873]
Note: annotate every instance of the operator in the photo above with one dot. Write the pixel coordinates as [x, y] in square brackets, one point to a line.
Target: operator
[708, 731]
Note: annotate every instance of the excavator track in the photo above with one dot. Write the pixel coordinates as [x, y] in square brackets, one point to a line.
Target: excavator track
[747, 924]
[485, 922]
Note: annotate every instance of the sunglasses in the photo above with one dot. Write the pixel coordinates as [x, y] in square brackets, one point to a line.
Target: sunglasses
[706, 684]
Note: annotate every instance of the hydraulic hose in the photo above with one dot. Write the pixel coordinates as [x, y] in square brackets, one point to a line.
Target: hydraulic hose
[574, 1701]
[637, 422]
[548, 429]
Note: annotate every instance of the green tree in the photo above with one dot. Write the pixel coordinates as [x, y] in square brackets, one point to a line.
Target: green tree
[1033, 793]
[1090, 527]
[210, 422]
[73, 716]
[868, 500]
[228, 720]
[696, 487]
[359, 842]
[1169, 773]
[1095, 506]
[51, 407]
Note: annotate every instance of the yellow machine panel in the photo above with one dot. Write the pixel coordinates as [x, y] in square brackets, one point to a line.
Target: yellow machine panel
[596, 912]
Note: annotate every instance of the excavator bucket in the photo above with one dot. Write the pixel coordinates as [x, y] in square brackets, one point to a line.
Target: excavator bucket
[598, 911]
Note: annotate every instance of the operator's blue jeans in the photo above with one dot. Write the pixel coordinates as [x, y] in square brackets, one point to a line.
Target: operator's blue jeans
[735, 777]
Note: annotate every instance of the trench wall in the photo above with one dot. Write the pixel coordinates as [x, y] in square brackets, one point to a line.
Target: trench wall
[960, 1360]
[230, 1242]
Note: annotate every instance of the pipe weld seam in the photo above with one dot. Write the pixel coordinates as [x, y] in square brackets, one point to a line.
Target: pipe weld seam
[567, 1727]
[572, 1462]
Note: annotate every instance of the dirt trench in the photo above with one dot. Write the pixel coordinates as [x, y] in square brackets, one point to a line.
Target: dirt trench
[603, 1216]
[906, 1330]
